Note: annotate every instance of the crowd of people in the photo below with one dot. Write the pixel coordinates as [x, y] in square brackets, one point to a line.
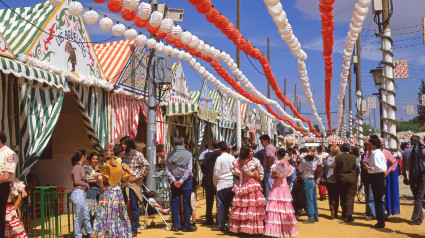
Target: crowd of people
[256, 191]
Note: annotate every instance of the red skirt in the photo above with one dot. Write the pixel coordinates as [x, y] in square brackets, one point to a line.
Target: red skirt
[14, 227]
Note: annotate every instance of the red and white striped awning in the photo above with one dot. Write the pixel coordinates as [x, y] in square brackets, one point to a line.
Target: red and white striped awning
[113, 56]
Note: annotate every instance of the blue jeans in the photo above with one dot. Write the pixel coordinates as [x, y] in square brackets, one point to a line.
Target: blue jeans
[268, 184]
[311, 198]
[370, 204]
[185, 190]
[224, 202]
[78, 197]
[292, 179]
[135, 210]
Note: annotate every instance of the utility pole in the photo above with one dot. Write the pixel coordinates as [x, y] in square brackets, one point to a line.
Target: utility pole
[151, 123]
[268, 59]
[350, 111]
[295, 97]
[389, 111]
[284, 93]
[344, 128]
[238, 62]
[359, 97]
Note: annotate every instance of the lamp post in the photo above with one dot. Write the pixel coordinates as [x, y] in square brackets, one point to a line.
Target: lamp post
[378, 79]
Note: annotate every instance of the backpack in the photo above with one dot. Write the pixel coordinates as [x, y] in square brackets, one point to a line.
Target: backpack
[417, 162]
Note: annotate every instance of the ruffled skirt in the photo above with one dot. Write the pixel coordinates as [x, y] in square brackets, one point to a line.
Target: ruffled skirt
[248, 208]
[281, 219]
[112, 218]
[92, 199]
[13, 225]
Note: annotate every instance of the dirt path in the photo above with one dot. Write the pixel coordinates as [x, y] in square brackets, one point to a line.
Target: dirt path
[397, 226]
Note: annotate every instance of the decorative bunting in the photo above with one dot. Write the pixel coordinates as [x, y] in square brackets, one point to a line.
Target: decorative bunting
[401, 70]
[410, 109]
[371, 103]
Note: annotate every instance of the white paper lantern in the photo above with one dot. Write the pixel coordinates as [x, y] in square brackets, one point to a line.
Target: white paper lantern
[364, 3]
[271, 2]
[118, 29]
[166, 25]
[280, 20]
[131, 4]
[75, 9]
[130, 34]
[151, 43]
[91, 17]
[185, 37]
[275, 10]
[181, 55]
[187, 57]
[159, 47]
[156, 19]
[361, 11]
[176, 32]
[141, 40]
[201, 70]
[55, 3]
[200, 46]
[206, 49]
[106, 23]
[144, 11]
[194, 42]
[174, 53]
[192, 62]
[167, 50]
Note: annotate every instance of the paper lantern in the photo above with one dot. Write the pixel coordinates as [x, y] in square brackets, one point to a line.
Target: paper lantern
[167, 50]
[106, 23]
[275, 10]
[151, 29]
[151, 43]
[175, 53]
[166, 25]
[156, 19]
[144, 11]
[204, 7]
[271, 2]
[118, 29]
[194, 42]
[159, 47]
[160, 34]
[185, 37]
[176, 31]
[362, 11]
[75, 9]
[139, 22]
[91, 17]
[99, 1]
[178, 44]
[130, 34]
[131, 4]
[128, 15]
[115, 6]
[364, 3]
[141, 40]
[169, 39]
[55, 3]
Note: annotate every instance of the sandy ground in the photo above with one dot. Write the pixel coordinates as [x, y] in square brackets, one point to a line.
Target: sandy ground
[397, 226]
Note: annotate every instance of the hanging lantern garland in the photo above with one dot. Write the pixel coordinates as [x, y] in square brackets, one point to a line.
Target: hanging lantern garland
[327, 17]
[221, 22]
[361, 8]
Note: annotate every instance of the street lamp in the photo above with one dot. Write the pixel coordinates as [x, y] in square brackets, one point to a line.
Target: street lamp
[378, 78]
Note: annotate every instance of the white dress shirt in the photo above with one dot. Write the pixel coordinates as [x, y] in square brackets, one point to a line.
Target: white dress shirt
[377, 162]
[223, 176]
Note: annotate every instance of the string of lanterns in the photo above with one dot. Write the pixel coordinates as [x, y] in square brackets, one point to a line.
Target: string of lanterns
[275, 9]
[212, 15]
[328, 24]
[361, 8]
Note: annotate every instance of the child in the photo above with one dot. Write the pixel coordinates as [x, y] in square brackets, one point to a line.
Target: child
[152, 201]
[14, 227]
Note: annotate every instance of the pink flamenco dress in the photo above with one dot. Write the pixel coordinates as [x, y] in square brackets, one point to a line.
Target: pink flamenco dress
[248, 205]
[281, 219]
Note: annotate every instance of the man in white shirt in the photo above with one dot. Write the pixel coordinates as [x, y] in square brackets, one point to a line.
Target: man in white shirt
[8, 162]
[376, 166]
[223, 181]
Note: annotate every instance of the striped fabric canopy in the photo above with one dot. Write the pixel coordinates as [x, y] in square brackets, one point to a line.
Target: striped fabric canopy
[178, 109]
[195, 96]
[17, 32]
[10, 66]
[125, 116]
[107, 54]
[227, 132]
[216, 96]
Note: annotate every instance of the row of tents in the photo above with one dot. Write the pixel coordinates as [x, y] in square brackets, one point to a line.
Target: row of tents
[60, 91]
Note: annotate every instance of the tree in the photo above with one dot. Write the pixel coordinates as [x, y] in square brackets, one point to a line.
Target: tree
[421, 109]
[317, 128]
[280, 129]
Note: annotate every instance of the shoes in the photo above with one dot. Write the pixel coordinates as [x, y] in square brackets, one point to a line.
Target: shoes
[316, 219]
[217, 229]
[416, 222]
[175, 229]
[167, 211]
[193, 226]
[208, 223]
[134, 234]
[350, 219]
[370, 218]
[308, 221]
[377, 225]
[190, 229]
[332, 215]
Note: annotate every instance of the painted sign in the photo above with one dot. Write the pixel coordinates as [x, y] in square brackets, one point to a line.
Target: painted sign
[4, 48]
[371, 103]
[65, 43]
[410, 109]
[401, 70]
[179, 91]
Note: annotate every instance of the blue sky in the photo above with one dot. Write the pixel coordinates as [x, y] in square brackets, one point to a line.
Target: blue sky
[304, 16]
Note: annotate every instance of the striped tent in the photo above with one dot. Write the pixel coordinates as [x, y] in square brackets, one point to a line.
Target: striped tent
[93, 103]
[195, 96]
[227, 131]
[125, 116]
[180, 91]
[216, 101]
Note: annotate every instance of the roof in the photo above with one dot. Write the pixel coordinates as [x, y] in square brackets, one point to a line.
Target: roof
[14, 27]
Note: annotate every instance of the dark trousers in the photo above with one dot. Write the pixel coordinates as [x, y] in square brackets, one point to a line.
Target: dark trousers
[184, 191]
[417, 185]
[333, 198]
[4, 194]
[377, 181]
[210, 194]
[224, 202]
[135, 210]
[347, 192]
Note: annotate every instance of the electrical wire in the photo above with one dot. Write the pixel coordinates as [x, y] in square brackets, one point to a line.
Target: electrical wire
[253, 65]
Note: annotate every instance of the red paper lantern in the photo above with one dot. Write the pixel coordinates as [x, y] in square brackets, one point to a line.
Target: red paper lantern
[204, 7]
[160, 34]
[139, 22]
[151, 29]
[128, 15]
[115, 6]
[212, 15]
[99, 1]
[169, 39]
[178, 44]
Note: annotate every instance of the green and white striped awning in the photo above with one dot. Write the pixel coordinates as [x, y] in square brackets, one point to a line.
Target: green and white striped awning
[47, 79]
[19, 34]
[178, 109]
[226, 124]
[195, 96]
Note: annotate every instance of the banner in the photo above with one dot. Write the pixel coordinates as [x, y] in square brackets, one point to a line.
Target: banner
[401, 70]
[371, 103]
[423, 99]
[410, 109]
